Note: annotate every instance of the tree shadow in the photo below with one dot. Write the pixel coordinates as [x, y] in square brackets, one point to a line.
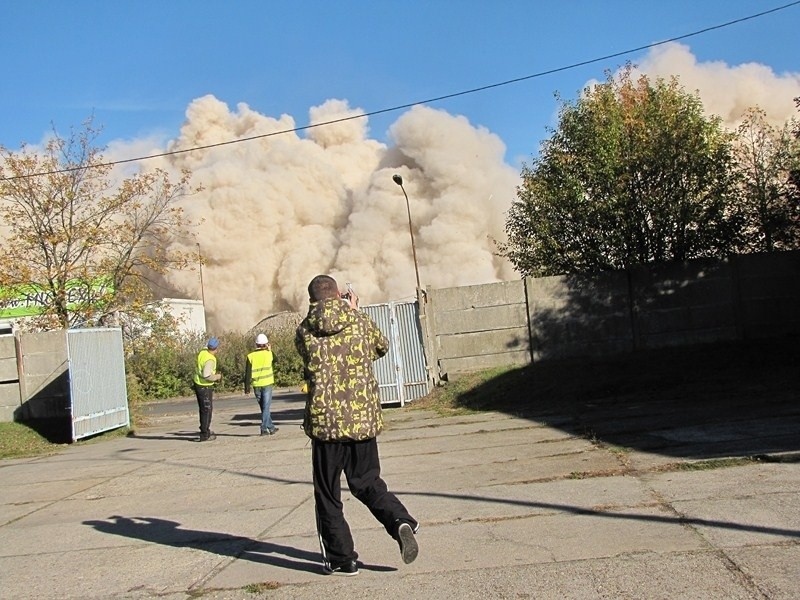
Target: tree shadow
[699, 359]
[610, 514]
[695, 402]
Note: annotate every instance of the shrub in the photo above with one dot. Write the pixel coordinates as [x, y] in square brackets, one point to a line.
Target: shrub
[160, 363]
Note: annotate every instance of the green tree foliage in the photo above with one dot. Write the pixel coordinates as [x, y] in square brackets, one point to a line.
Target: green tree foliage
[766, 157]
[634, 173]
[159, 359]
[81, 242]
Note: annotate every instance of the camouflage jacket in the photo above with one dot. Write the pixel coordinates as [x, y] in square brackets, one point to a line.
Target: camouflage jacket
[338, 345]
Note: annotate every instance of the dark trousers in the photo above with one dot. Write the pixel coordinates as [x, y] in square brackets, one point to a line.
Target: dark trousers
[205, 397]
[362, 468]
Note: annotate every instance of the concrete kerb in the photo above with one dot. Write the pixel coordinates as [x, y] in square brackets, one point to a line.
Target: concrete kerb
[509, 507]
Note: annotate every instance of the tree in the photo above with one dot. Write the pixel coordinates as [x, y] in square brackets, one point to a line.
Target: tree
[78, 244]
[766, 157]
[634, 173]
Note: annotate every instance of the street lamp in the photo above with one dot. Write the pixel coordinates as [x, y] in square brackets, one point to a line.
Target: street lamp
[399, 181]
[200, 264]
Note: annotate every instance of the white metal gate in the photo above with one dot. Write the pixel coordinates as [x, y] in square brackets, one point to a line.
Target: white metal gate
[402, 375]
[98, 394]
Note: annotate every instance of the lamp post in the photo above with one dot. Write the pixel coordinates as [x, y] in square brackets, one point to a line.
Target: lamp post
[200, 264]
[399, 181]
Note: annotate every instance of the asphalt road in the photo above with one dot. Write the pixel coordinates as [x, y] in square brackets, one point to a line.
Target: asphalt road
[281, 400]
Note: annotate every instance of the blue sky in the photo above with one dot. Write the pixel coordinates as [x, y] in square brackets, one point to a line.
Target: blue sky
[138, 65]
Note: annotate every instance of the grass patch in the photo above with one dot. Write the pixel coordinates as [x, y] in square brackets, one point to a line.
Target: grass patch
[260, 588]
[463, 395]
[709, 465]
[20, 441]
[17, 440]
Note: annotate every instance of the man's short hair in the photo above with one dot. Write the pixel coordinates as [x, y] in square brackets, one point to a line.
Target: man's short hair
[322, 287]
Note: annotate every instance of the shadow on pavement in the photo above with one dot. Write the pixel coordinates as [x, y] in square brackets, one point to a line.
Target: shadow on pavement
[698, 402]
[609, 514]
[169, 533]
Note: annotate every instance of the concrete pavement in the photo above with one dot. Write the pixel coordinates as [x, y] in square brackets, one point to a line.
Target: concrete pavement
[510, 507]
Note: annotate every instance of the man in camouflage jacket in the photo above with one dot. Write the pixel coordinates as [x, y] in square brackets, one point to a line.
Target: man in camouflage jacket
[343, 417]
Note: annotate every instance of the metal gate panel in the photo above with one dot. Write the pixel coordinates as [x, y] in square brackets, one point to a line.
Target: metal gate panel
[388, 370]
[401, 374]
[98, 394]
[412, 351]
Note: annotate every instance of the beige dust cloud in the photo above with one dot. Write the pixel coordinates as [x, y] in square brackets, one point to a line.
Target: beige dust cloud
[278, 210]
[728, 91]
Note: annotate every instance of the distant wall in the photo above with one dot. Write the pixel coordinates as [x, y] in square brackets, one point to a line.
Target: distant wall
[653, 306]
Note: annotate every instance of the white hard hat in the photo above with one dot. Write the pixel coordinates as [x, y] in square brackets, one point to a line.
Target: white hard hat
[261, 340]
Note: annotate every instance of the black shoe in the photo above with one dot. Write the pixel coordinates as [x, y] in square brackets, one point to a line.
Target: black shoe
[346, 569]
[208, 438]
[408, 543]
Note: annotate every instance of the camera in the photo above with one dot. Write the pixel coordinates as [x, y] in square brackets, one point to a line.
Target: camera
[349, 293]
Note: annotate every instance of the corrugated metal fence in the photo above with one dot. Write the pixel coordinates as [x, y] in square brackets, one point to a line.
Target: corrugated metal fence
[98, 394]
[402, 375]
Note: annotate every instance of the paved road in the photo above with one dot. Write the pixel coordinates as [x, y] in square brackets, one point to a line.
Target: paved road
[281, 399]
[510, 506]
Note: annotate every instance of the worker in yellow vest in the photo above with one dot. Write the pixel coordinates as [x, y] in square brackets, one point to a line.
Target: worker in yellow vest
[205, 376]
[260, 375]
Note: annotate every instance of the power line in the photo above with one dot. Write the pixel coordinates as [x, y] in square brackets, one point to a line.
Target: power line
[428, 101]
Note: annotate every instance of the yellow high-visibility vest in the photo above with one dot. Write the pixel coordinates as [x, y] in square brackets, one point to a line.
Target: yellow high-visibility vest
[202, 359]
[261, 372]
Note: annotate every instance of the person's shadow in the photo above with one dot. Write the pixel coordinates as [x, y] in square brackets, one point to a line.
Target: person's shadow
[169, 533]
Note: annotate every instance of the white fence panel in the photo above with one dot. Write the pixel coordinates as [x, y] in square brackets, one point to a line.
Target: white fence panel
[98, 394]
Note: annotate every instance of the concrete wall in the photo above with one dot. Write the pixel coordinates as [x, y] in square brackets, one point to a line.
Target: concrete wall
[44, 376]
[479, 326]
[699, 301]
[9, 379]
[768, 294]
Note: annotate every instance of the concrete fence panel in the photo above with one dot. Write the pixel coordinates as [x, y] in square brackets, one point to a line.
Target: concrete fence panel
[683, 303]
[479, 326]
[574, 315]
[769, 294]
[652, 306]
[44, 382]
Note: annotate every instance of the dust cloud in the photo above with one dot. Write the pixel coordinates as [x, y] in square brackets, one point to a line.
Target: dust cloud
[277, 210]
[727, 91]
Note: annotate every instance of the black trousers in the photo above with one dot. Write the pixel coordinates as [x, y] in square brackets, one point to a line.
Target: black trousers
[205, 397]
[362, 469]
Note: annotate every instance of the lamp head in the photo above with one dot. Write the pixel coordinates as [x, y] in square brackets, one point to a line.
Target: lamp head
[397, 179]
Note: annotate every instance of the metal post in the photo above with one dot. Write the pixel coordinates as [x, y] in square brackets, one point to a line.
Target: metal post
[399, 181]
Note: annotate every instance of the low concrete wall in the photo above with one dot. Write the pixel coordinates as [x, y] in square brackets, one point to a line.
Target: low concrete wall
[683, 303]
[479, 326]
[576, 315]
[9, 378]
[44, 376]
[768, 294]
[653, 306]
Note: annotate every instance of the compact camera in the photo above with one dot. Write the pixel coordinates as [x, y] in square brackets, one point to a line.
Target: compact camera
[350, 293]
